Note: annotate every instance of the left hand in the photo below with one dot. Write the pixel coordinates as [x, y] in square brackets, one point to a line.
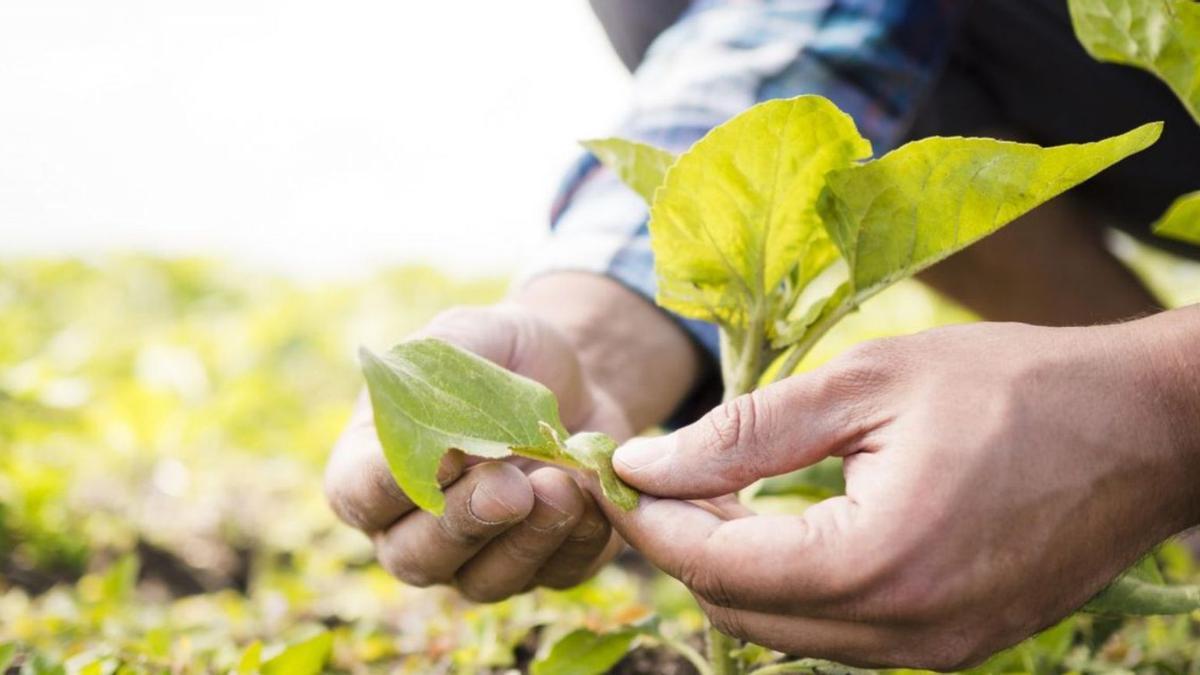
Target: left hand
[997, 476]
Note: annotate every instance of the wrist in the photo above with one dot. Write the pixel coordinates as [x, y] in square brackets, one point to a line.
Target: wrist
[1170, 345]
[628, 348]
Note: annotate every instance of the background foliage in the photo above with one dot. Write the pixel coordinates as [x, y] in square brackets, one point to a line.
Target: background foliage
[163, 426]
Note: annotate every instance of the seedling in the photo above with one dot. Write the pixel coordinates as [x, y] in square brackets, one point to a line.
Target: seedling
[774, 226]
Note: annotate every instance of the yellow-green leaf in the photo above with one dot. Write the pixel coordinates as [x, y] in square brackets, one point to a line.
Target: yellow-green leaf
[1160, 36]
[584, 652]
[1182, 220]
[897, 215]
[8, 654]
[429, 396]
[595, 452]
[641, 166]
[302, 658]
[251, 659]
[737, 212]
[817, 295]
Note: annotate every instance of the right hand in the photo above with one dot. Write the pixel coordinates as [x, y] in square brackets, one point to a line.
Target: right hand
[509, 525]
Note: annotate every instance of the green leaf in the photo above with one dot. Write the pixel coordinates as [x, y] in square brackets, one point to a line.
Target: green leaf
[822, 480]
[429, 396]
[1159, 36]
[642, 167]
[583, 652]
[251, 659]
[820, 294]
[40, 664]
[737, 212]
[8, 654]
[302, 658]
[595, 451]
[894, 216]
[1182, 220]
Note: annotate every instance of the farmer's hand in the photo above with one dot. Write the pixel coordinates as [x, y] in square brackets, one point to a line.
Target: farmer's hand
[514, 524]
[997, 476]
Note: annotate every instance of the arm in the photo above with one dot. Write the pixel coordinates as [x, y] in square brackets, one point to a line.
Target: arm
[997, 477]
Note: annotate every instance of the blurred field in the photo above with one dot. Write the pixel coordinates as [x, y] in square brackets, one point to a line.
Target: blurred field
[163, 425]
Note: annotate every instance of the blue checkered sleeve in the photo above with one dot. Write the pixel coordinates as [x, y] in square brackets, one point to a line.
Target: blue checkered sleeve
[876, 59]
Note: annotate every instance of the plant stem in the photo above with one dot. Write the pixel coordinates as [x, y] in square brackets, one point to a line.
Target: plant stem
[720, 652]
[811, 336]
[686, 651]
[741, 368]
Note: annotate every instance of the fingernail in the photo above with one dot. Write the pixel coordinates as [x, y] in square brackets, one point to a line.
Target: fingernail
[486, 507]
[642, 452]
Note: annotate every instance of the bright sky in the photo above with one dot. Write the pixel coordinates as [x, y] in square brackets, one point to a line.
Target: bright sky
[318, 138]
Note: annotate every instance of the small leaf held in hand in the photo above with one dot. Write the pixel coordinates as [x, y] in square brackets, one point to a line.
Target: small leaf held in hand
[429, 397]
[1182, 220]
[1159, 36]
[642, 167]
[595, 451]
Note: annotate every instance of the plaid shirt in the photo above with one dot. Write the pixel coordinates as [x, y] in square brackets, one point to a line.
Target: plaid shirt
[876, 59]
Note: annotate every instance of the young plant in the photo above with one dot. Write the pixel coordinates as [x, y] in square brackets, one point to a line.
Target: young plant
[774, 226]
[1161, 37]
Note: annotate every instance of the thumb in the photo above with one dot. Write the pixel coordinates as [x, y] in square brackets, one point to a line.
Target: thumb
[781, 428]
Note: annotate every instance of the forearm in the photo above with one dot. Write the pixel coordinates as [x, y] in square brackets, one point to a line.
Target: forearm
[628, 348]
[1171, 343]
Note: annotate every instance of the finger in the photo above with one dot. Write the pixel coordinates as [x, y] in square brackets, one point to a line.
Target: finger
[422, 549]
[358, 482]
[766, 563]
[589, 546]
[507, 565]
[851, 643]
[781, 428]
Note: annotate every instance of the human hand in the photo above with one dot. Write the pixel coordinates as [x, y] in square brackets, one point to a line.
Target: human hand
[509, 525]
[997, 477]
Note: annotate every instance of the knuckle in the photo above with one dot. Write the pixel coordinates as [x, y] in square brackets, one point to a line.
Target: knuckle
[563, 577]
[401, 565]
[344, 498]
[732, 432]
[526, 548]
[462, 535]
[592, 527]
[480, 593]
[727, 621]
[863, 366]
[705, 583]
